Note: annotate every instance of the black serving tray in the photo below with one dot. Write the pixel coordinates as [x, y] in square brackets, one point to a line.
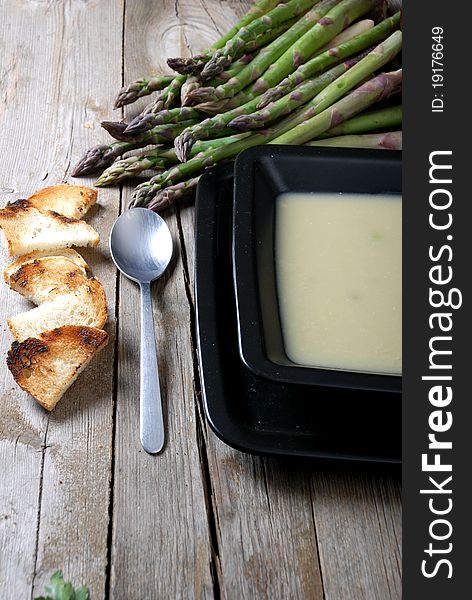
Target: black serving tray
[252, 413]
[263, 173]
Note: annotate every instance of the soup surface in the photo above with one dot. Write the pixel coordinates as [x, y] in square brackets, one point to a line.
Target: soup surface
[338, 265]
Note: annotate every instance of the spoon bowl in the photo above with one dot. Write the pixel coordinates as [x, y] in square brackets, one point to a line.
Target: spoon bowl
[141, 248]
[141, 245]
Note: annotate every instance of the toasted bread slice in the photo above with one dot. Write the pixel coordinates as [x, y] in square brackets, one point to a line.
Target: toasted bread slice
[69, 253]
[45, 278]
[46, 366]
[27, 229]
[66, 199]
[85, 305]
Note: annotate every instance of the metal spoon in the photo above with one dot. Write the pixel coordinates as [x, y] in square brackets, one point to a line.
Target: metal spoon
[141, 248]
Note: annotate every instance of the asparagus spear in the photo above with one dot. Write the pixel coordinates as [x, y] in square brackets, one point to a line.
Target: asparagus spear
[132, 167]
[186, 139]
[101, 156]
[115, 128]
[280, 14]
[342, 83]
[372, 91]
[207, 128]
[329, 57]
[155, 158]
[213, 108]
[141, 87]
[165, 131]
[166, 197]
[151, 120]
[271, 67]
[289, 103]
[166, 96]
[191, 83]
[266, 56]
[337, 19]
[347, 34]
[383, 118]
[292, 130]
[391, 140]
[259, 8]
[193, 65]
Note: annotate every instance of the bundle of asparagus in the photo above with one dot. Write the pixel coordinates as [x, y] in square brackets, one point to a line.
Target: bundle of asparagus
[297, 71]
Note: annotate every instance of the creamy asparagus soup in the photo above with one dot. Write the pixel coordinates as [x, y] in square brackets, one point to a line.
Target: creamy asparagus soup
[338, 266]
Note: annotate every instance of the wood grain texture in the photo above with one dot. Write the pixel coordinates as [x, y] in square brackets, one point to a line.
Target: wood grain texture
[358, 522]
[54, 494]
[160, 520]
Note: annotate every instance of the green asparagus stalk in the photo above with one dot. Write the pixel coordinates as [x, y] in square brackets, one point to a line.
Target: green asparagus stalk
[207, 128]
[289, 103]
[372, 91]
[151, 120]
[169, 195]
[141, 87]
[132, 167]
[193, 65]
[341, 84]
[257, 10]
[213, 108]
[281, 13]
[392, 140]
[293, 130]
[156, 158]
[191, 83]
[266, 56]
[373, 120]
[101, 156]
[337, 19]
[347, 34]
[272, 68]
[165, 130]
[169, 93]
[167, 96]
[331, 56]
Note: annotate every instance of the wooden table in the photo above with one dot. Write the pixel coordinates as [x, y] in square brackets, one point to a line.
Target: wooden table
[77, 492]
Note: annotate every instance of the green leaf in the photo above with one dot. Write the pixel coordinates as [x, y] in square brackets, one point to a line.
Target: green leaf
[82, 593]
[58, 589]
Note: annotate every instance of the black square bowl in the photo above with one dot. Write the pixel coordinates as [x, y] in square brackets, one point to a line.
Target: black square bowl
[261, 174]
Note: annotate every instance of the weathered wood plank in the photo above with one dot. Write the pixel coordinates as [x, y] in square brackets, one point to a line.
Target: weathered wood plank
[160, 523]
[57, 81]
[358, 520]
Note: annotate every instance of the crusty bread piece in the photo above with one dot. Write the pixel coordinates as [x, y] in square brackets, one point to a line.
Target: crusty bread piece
[85, 305]
[45, 278]
[27, 228]
[46, 366]
[69, 253]
[66, 199]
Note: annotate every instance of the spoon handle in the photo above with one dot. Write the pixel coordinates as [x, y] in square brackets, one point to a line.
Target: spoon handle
[151, 420]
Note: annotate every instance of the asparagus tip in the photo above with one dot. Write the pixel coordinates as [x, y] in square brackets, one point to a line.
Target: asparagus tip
[93, 160]
[116, 129]
[214, 66]
[183, 144]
